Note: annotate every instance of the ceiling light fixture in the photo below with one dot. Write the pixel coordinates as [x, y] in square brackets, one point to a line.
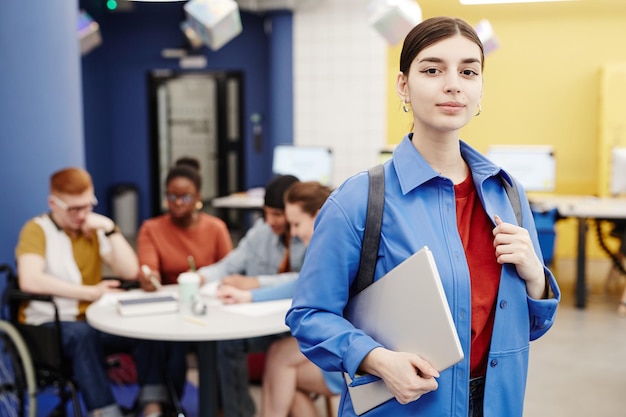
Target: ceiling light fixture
[475, 2]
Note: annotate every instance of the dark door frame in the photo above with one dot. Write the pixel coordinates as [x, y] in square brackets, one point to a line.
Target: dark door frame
[230, 131]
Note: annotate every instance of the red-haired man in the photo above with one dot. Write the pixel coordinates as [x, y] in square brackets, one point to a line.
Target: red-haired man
[61, 253]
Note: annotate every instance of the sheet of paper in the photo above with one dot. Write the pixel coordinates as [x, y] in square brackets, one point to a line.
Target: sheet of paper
[260, 308]
[210, 289]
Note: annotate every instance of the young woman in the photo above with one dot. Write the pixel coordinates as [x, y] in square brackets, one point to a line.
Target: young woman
[166, 242]
[442, 193]
[302, 203]
[290, 378]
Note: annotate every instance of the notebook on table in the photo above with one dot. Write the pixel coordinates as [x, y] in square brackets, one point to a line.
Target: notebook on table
[406, 310]
[146, 305]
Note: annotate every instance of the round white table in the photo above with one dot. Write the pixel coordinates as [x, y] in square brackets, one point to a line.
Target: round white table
[239, 321]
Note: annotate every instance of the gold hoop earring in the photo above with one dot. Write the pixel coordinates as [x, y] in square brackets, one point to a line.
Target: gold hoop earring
[406, 106]
[199, 205]
[480, 110]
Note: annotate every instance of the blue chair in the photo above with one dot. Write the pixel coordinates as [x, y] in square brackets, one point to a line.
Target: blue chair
[546, 230]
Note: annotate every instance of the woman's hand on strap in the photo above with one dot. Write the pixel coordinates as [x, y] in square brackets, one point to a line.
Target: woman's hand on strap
[514, 246]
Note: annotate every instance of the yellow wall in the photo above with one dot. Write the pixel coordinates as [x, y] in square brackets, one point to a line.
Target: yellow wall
[542, 86]
[612, 120]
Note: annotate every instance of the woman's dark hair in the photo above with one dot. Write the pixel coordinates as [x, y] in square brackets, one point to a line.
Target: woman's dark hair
[431, 31]
[189, 161]
[310, 195]
[186, 167]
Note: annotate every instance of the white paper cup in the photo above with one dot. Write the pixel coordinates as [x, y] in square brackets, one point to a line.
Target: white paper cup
[188, 287]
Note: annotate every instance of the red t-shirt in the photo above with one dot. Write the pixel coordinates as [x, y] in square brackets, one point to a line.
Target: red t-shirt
[475, 229]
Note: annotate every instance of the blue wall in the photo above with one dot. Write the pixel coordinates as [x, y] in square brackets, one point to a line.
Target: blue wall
[40, 107]
[117, 125]
[55, 112]
[281, 82]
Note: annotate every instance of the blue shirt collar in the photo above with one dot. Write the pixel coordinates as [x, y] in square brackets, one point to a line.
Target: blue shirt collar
[413, 170]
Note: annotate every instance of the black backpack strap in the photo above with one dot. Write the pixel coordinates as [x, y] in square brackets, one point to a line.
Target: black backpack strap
[371, 234]
[513, 194]
[374, 221]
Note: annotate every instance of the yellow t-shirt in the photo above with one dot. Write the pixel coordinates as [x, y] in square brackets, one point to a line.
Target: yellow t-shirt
[86, 251]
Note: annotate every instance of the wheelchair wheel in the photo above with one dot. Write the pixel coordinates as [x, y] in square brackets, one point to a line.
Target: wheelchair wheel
[18, 390]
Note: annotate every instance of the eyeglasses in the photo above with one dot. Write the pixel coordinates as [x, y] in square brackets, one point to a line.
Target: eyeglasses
[73, 210]
[185, 198]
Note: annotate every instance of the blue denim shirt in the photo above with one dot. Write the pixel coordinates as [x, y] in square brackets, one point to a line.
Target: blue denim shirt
[258, 254]
[420, 209]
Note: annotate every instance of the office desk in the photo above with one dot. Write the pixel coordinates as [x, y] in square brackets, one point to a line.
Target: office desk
[582, 208]
[221, 322]
[239, 201]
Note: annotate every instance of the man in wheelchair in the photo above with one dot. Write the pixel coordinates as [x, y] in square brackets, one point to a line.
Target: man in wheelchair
[60, 253]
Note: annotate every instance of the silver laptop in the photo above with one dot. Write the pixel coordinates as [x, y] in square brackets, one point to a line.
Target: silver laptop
[406, 310]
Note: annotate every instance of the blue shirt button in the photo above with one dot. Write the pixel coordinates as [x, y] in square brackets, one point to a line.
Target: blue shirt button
[503, 304]
[494, 363]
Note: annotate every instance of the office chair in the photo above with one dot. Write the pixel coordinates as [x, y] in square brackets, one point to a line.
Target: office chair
[44, 345]
[618, 231]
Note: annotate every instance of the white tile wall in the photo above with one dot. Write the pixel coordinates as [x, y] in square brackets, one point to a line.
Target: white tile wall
[340, 70]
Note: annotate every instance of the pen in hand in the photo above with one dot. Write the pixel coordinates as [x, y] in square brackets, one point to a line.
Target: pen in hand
[147, 272]
[192, 268]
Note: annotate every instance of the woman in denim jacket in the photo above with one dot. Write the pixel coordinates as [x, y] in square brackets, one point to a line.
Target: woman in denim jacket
[442, 193]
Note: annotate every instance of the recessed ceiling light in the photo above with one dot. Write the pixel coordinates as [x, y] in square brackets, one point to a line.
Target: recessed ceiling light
[473, 2]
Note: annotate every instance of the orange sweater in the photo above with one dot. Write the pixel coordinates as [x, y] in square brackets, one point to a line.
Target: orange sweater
[165, 247]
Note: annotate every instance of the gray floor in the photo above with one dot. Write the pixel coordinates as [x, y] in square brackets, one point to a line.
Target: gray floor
[579, 367]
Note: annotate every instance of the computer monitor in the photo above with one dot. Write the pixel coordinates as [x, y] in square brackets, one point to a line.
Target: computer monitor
[618, 171]
[385, 154]
[534, 166]
[308, 163]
